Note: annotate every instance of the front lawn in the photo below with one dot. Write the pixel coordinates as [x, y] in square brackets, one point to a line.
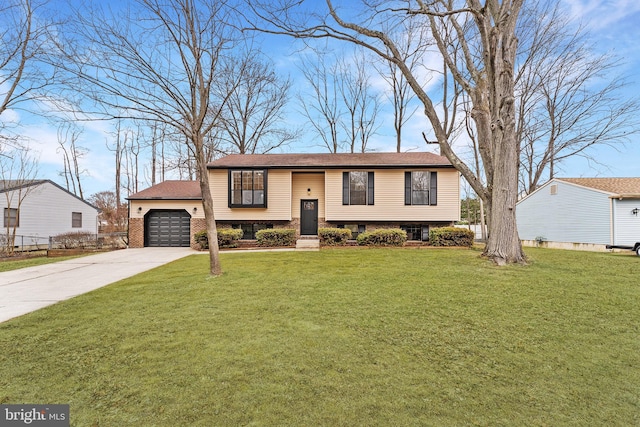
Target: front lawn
[342, 337]
[15, 263]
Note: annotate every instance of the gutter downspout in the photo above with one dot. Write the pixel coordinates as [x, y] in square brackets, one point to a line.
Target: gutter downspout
[613, 221]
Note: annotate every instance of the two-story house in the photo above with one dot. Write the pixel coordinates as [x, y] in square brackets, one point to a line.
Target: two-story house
[413, 191]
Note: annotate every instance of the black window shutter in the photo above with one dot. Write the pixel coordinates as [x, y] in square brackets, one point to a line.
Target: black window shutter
[345, 188]
[229, 200]
[265, 182]
[407, 188]
[433, 190]
[370, 188]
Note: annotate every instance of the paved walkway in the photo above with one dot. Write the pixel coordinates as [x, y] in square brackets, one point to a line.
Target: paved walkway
[29, 289]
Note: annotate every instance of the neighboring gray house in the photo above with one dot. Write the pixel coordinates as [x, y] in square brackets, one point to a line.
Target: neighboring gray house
[40, 209]
[581, 213]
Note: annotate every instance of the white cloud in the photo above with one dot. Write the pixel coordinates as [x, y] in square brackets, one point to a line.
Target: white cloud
[603, 15]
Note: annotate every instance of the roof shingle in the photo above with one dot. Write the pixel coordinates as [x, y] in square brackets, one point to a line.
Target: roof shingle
[331, 160]
[615, 186]
[170, 190]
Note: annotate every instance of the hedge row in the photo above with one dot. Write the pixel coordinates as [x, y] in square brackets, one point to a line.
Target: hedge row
[227, 238]
[334, 236]
[451, 236]
[382, 237]
[273, 237]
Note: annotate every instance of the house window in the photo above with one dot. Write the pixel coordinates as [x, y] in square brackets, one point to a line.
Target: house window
[247, 188]
[420, 188]
[76, 219]
[355, 229]
[416, 231]
[249, 230]
[357, 188]
[11, 217]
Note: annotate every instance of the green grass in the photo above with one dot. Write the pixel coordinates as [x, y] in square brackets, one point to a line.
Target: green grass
[8, 264]
[356, 337]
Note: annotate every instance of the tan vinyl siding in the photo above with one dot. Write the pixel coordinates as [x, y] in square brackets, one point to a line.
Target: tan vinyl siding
[389, 198]
[302, 182]
[278, 198]
[148, 205]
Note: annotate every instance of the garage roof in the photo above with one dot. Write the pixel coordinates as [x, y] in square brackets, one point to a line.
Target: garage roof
[170, 190]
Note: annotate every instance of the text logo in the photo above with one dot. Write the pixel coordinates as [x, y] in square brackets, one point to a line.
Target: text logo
[34, 415]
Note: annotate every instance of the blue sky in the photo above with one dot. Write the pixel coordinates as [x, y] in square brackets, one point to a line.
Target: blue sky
[613, 24]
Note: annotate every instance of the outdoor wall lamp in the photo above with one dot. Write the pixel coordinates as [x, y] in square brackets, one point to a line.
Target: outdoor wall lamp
[635, 211]
[195, 209]
[308, 191]
[139, 209]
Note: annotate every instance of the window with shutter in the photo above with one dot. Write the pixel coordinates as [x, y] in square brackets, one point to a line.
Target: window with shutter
[420, 188]
[357, 188]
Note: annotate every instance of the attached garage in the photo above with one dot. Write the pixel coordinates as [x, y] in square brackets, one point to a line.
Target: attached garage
[168, 228]
[166, 215]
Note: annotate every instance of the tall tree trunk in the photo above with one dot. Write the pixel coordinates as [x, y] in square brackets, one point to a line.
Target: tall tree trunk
[207, 204]
[494, 113]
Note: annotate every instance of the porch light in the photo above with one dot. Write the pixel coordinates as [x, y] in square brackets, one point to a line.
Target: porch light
[635, 211]
[139, 209]
[308, 191]
[195, 209]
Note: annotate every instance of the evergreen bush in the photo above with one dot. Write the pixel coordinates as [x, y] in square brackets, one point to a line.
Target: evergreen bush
[334, 236]
[275, 237]
[451, 236]
[382, 237]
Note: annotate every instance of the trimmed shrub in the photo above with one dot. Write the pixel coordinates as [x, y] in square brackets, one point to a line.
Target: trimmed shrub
[274, 237]
[227, 238]
[382, 237]
[76, 240]
[334, 236]
[202, 239]
[451, 236]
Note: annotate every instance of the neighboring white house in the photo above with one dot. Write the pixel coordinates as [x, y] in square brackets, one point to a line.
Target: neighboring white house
[581, 213]
[40, 209]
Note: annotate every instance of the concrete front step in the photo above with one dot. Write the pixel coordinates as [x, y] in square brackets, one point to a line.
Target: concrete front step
[308, 244]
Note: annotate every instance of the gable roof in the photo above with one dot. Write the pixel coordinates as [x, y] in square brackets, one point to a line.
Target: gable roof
[16, 184]
[170, 190]
[331, 160]
[616, 187]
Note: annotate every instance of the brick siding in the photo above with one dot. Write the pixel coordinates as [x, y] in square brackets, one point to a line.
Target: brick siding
[136, 232]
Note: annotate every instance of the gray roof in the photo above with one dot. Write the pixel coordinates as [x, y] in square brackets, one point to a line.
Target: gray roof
[16, 184]
[331, 161]
[170, 190]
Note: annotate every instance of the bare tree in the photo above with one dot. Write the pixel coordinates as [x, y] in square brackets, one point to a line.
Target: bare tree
[72, 154]
[112, 211]
[160, 61]
[26, 31]
[568, 98]
[320, 105]
[478, 45]
[412, 50]
[18, 169]
[253, 118]
[340, 105]
[24, 35]
[361, 104]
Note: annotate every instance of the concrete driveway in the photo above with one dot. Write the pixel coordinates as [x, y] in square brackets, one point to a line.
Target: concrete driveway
[29, 289]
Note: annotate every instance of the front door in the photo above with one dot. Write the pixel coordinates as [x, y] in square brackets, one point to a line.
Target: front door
[309, 217]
